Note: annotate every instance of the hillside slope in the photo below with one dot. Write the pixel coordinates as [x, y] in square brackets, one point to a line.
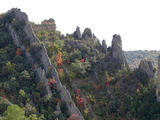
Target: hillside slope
[46, 75]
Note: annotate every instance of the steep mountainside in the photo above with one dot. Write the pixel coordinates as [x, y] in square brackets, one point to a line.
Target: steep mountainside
[45, 75]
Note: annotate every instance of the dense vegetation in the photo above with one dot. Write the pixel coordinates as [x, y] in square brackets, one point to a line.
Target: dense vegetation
[120, 95]
[20, 90]
[101, 88]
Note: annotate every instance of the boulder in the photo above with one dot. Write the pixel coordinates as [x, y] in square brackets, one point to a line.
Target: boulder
[146, 66]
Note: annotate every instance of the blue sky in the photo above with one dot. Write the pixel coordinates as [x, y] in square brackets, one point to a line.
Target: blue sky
[137, 21]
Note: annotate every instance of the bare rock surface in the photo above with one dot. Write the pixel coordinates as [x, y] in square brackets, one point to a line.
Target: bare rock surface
[147, 67]
[117, 52]
[77, 34]
[104, 46]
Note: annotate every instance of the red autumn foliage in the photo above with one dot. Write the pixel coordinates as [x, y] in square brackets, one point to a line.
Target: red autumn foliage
[79, 99]
[52, 83]
[59, 59]
[74, 117]
[60, 71]
[82, 60]
[78, 92]
[18, 51]
[96, 87]
[108, 81]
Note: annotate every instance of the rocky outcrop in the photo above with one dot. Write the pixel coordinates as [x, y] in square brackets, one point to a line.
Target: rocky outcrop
[77, 34]
[87, 35]
[104, 46]
[48, 67]
[117, 52]
[158, 81]
[146, 66]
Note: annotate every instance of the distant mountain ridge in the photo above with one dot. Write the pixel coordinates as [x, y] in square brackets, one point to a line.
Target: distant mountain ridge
[134, 57]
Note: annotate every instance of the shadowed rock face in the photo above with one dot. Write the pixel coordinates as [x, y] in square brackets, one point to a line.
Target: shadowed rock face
[104, 46]
[117, 52]
[77, 34]
[87, 34]
[147, 67]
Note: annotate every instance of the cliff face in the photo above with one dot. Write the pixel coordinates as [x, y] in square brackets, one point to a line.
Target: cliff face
[117, 52]
[47, 66]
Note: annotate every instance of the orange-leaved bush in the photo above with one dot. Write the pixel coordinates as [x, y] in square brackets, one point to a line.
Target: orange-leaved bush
[59, 59]
[18, 51]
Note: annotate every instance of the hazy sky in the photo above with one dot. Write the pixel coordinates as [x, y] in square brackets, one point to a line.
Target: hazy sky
[137, 21]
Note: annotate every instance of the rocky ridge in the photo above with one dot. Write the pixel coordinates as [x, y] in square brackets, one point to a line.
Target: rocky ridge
[48, 67]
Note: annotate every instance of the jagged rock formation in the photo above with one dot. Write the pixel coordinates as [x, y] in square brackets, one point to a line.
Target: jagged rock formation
[147, 67]
[77, 34]
[48, 67]
[87, 35]
[158, 82]
[117, 52]
[104, 46]
[47, 25]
